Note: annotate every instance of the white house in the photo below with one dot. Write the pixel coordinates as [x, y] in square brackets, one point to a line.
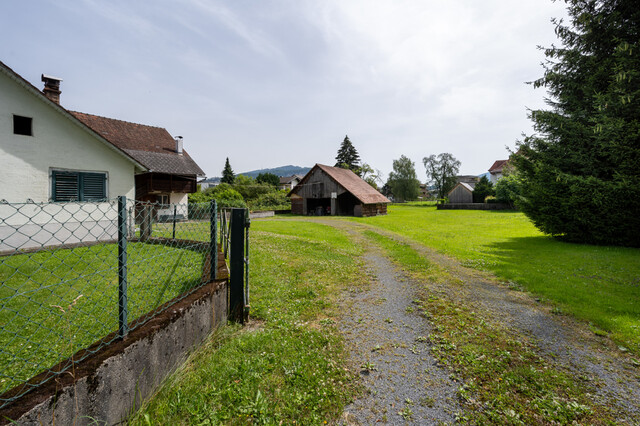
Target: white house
[46, 154]
[289, 182]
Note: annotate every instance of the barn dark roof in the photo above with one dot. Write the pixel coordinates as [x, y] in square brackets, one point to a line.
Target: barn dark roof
[351, 182]
[153, 147]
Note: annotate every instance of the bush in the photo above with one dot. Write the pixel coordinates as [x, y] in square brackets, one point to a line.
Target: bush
[224, 195]
[271, 201]
[490, 199]
[508, 189]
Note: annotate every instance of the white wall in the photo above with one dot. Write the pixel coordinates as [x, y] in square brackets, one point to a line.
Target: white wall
[57, 143]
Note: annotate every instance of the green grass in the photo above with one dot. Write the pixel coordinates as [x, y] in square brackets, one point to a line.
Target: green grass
[55, 302]
[598, 284]
[288, 367]
[502, 378]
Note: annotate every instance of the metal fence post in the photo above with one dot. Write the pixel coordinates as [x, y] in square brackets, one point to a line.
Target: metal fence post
[174, 220]
[213, 244]
[247, 307]
[123, 326]
[236, 281]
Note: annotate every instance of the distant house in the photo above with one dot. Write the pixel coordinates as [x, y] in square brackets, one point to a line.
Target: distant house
[467, 179]
[336, 191]
[425, 193]
[461, 193]
[209, 183]
[496, 170]
[288, 182]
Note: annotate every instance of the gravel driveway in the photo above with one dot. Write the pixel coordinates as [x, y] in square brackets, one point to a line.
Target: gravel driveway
[404, 384]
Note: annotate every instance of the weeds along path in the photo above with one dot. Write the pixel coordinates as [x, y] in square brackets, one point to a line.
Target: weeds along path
[611, 375]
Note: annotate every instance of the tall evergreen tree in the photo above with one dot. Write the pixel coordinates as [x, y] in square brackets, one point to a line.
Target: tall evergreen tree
[580, 173]
[483, 188]
[348, 157]
[227, 173]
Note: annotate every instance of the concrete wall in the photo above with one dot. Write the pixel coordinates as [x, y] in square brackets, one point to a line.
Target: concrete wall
[57, 143]
[111, 384]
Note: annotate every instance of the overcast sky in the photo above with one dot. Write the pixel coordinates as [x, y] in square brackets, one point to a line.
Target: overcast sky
[275, 82]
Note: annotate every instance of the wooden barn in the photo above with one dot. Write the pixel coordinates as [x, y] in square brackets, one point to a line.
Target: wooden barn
[461, 193]
[333, 191]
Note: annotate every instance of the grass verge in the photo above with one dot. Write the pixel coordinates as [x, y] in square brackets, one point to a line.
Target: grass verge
[38, 330]
[287, 367]
[598, 284]
[502, 379]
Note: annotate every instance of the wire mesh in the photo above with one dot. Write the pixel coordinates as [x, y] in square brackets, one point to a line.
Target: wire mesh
[59, 278]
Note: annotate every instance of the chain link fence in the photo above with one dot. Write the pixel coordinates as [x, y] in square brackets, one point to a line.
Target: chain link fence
[73, 274]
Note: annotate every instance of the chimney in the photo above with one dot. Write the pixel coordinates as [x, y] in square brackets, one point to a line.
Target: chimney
[52, 88]
[178, 144]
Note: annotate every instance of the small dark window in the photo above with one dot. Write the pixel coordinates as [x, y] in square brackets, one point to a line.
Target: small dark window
[22, 125]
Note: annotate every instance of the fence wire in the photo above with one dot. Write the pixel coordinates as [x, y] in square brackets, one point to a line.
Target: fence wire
[61, 279]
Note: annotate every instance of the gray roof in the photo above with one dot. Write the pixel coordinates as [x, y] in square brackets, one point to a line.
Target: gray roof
[166, 163]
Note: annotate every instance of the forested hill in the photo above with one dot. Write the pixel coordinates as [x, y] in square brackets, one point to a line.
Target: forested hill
[279, 171]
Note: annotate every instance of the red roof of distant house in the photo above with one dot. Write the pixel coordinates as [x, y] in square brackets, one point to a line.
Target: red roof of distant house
[352, 183]
[152, 146]
[497, 166]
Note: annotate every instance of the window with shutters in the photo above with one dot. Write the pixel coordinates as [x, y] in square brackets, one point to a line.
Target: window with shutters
[78, 186]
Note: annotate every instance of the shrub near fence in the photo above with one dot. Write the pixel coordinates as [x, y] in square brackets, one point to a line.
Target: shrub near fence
[73, 273]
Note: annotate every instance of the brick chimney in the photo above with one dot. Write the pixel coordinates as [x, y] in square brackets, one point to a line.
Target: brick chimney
[52, 88]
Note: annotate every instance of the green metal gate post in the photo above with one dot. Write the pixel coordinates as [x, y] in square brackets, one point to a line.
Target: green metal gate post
[123, 326]
[237, 261]
[213, 244]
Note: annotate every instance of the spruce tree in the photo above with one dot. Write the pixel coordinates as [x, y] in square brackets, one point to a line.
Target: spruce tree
[482, 190]
[348, 157]
[227, 173]
[580, 170]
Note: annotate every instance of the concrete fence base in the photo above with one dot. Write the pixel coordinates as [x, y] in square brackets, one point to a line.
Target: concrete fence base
[111, 384]
[474, 206]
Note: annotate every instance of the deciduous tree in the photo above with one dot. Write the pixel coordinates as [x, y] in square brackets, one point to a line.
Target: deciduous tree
[269, 178]
[403, 182]
[441, 172]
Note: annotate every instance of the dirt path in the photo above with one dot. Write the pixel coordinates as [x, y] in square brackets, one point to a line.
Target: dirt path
[383, 331]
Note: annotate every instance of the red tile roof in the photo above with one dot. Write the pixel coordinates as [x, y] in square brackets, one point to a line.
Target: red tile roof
[497, 166]
[352, 183]
[152, 146]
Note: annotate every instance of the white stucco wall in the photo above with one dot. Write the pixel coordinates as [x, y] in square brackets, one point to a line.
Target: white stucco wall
[57, 143]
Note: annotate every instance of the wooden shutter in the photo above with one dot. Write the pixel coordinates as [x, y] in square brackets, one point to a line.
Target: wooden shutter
[78, 186]
[93, 186]
[65, 186]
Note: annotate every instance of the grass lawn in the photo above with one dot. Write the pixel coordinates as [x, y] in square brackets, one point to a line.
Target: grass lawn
[288, 366]
[55, 302]
[599, 284]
